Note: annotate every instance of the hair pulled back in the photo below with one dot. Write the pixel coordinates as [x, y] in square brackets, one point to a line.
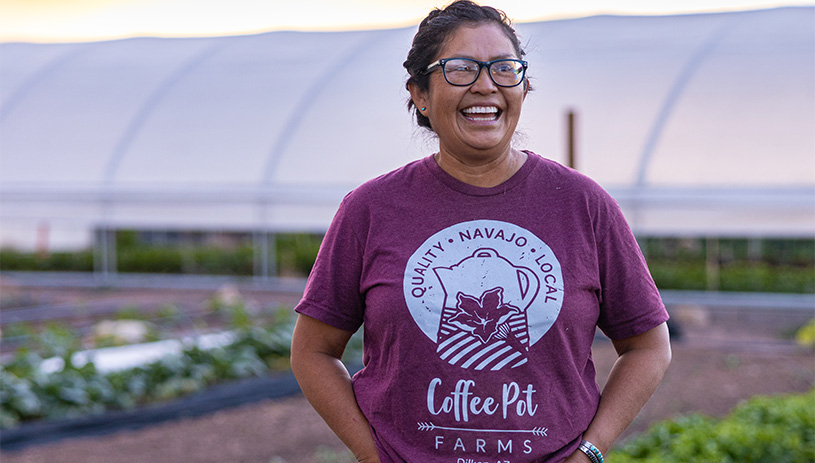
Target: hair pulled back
[434, 31]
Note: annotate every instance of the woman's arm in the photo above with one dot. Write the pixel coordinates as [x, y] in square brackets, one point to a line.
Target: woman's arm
[316, 352]
[635, 376]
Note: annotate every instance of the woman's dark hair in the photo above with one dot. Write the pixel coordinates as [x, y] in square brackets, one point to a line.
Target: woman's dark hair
[434, 31]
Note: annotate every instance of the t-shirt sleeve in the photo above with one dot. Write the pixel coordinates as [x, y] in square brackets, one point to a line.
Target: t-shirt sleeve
[332, 293]
[630, 303]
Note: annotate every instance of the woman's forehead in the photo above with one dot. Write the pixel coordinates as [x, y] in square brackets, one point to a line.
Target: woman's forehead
[485, 41]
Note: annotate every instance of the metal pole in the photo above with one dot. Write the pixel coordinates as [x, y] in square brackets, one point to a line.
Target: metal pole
[112, 263]
[104, 253]
[271, 255]
[264, 258]
[258, 251]
[98, 251]
[754, 249]
[712, 265]
[264, 254]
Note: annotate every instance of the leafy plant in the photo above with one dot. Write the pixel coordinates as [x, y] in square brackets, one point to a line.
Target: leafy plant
[777, 429]
[768, 265]
[27, 393]
[57, 340]
[805, 336]
[327, 455]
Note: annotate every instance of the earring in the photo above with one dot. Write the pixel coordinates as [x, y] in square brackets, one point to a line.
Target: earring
[424, 108]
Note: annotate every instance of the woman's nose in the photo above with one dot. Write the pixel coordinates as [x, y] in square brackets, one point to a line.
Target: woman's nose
[484, 83]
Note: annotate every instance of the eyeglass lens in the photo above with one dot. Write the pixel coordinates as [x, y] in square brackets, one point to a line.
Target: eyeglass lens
[506, 73]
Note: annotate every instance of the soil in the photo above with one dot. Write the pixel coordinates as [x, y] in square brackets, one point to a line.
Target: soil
[721, 359]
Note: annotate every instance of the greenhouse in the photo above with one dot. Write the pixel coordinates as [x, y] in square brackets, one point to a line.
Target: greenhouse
[699, 125]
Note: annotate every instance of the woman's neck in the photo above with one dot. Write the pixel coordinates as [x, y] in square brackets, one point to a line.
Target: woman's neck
[485, 173]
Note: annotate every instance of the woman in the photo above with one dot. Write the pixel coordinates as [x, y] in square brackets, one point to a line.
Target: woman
[480, 274]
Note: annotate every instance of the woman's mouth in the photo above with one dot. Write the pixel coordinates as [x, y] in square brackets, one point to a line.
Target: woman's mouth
[481, 113]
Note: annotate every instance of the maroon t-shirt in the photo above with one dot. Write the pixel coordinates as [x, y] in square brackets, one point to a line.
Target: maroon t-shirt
[480, 307]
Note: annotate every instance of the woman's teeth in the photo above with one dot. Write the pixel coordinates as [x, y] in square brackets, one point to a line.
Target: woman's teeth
[481, 113]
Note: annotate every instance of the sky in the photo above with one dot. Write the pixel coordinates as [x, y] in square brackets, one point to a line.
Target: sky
[90, 20]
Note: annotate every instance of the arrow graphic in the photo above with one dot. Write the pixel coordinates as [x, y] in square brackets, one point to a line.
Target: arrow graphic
[539, 431]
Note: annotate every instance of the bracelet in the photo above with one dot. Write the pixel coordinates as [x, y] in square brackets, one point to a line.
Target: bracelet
[591, 451]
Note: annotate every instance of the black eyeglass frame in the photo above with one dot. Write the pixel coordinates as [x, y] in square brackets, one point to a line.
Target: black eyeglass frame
[481, 64]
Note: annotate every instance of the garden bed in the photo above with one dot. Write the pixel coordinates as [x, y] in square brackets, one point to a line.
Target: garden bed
[723, 358]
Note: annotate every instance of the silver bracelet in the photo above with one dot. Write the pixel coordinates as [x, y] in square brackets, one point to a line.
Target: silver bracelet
[591, 451]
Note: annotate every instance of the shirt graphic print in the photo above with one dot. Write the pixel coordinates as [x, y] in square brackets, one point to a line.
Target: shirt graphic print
[484, 291]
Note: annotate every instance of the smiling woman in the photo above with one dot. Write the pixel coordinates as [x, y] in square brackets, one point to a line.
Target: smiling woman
[475, 122]
[480, 273]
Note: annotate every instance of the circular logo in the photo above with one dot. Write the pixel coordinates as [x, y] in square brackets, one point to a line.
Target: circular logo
[484, 291]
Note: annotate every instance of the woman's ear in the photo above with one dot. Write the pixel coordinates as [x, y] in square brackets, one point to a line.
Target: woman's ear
[419, 97]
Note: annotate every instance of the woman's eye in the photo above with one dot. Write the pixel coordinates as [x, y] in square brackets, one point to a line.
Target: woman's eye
[460, 66]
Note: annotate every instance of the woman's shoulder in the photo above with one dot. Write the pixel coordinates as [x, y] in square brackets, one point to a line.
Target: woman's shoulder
[566, 178]
[577, 193]
[381, 191]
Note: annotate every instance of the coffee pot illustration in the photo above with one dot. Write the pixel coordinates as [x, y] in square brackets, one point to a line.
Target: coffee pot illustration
[486, 270]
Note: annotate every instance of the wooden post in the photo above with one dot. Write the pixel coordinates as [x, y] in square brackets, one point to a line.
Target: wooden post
[571, 150]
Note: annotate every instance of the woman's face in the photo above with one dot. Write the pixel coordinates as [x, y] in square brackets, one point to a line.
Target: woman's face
[474, 123]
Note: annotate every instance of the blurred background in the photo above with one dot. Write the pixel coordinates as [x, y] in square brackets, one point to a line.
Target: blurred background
[168, 168]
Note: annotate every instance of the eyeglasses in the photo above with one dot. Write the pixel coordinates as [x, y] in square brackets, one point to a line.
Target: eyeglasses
[462, 72]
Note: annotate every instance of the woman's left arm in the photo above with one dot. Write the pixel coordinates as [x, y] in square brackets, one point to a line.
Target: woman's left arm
[635, 376]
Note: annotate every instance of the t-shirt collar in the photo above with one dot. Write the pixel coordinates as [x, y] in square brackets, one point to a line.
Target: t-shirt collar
[472, 190]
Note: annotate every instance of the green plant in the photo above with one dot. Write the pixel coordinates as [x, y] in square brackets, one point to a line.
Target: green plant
[678, 275]
[734, 276]
[57, 340]
[80, 261]
[296, 252]
[805, 336]
[130, 312]
[778, 429]
[27, 393]
[328, 455]
[743, 265]
[150, 260]
[768, 265]
[18, 330]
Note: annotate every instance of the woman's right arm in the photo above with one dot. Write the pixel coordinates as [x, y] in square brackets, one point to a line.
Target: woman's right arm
[316, 353]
